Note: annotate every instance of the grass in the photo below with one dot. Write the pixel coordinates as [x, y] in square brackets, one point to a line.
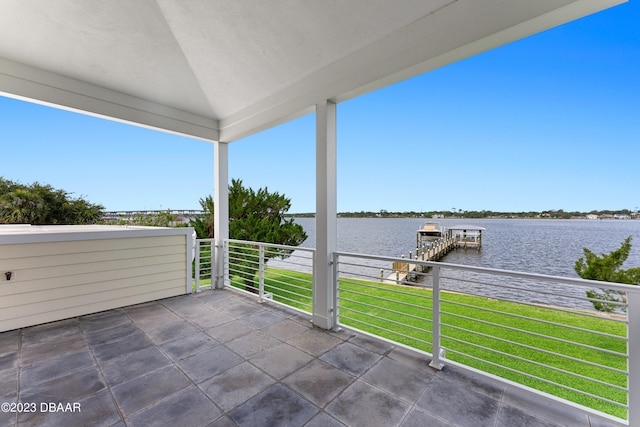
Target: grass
[476, 331]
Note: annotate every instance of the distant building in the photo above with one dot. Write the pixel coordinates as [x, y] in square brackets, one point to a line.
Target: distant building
[621, 216]
[592, 216]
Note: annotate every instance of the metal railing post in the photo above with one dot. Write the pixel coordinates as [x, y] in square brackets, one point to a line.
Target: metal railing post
[633, 351]
[261, 273]
[435, 324]
[222, 267]
[335, 307]
[197, 266]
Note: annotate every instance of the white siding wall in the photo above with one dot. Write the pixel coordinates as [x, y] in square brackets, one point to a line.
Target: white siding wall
[58, 280]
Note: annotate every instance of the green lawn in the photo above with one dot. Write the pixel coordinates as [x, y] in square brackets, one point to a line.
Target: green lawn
[532, 347]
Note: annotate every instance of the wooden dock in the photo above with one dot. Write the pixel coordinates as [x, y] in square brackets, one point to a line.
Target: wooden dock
[406, 271]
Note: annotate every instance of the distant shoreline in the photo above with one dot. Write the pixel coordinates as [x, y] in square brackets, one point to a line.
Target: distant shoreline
[623, 215]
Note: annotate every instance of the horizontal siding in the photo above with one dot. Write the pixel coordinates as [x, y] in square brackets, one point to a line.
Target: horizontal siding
[58, 280]
[26, 262]
[19, 250]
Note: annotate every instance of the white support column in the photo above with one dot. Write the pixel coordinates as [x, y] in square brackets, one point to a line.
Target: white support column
[221, 213]
[326, 216]
[633, 362]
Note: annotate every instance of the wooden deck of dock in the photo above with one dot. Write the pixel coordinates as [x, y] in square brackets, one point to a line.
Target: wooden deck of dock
[403, 271]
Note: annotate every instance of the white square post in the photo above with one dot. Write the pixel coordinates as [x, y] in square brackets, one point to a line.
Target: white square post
[221, 209]
[324, 286]
[633, 362]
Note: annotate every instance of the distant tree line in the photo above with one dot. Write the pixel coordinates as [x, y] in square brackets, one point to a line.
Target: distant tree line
[41, 204]
[553, 214]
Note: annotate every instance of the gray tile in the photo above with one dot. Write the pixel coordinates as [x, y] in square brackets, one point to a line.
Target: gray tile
[141, 392]
[151, 322]
[134, 364]
[473, 381]
[197, 310]
[186, 408]
[236, 385]
[362, 404]
[9, 341]
[398, 379]
[319, 382]
[147, 310]
[252, 343]
[116, 333]
[8, 361]
[241, 308]
[9, 384]
[171, 331]
[8, 419]
[324, 420]
[263, 319]
[509, 416]
[211, 318]
[412, 358]
[286, 329]
[419, 418]
[67, 388]
[96, 410]
[213, 296]
[38, 373]
[315, 342]
[543, 408]
[39, 352]
[372, 344]
[103, 320]
[223, 421]
[180, 303]
[49, 332]
[229, 331]
[188, 346]
[280, 361]
[276, 406]
[202, 366]
[351, 358]
[459, 404]
[112, 350]
[599, 422]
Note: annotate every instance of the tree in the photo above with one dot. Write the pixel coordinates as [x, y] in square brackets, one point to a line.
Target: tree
[40, 204]
[607, 268]
[253, 216]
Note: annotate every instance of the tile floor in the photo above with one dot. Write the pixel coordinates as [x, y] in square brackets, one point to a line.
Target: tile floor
[218, 359]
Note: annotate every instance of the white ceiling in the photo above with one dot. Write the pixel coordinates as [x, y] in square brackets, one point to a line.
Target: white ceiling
[223, 69]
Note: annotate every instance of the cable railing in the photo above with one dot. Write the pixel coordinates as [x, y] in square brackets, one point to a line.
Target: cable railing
[536, 332]
[278, 273]
[204, 264]
[504, 324]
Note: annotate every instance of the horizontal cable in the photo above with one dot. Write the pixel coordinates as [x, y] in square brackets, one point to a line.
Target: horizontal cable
[384, 319]
[525, 332]
[534, 377]
[343, 280]
[341, 290]
[533, 319]
[388, 310]
[515, 288]
[384, 329]
[528, 347]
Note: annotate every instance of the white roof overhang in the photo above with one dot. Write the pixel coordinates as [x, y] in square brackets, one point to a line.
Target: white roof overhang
[224, 69]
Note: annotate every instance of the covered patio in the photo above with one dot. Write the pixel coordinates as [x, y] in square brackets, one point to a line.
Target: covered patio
[218, 358]
[219, 71]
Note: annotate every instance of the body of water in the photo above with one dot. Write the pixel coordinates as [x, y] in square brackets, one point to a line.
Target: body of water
[542, 246]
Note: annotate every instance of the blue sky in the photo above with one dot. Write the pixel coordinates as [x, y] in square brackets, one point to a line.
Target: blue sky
[548, 122]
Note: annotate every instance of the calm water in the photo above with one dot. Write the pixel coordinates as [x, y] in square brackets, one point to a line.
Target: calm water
[534, 246]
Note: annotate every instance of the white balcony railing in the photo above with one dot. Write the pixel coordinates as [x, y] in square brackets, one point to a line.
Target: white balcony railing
[534, 331]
